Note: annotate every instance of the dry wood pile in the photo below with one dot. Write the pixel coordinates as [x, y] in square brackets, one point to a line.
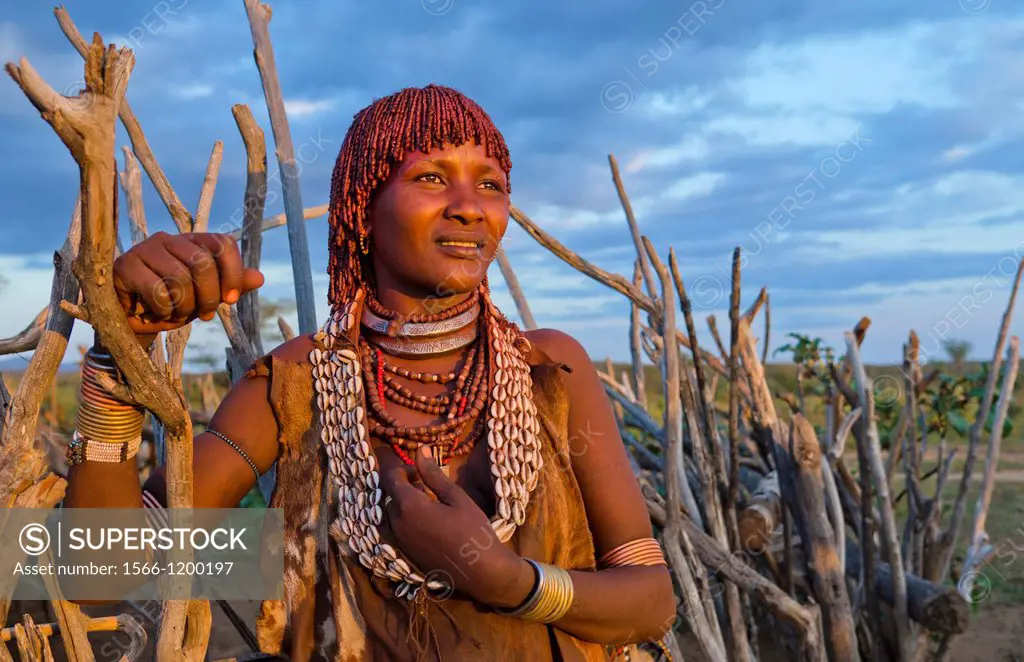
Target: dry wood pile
[769, 525]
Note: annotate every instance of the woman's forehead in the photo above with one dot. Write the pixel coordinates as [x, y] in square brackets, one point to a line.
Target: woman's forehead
[470, 151]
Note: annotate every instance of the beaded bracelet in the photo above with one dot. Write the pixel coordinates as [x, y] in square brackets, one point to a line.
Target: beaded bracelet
[82, 449]
[550, 598]
[642, 551]
[238, 449]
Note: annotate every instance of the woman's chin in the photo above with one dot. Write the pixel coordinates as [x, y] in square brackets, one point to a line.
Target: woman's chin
[453, 287]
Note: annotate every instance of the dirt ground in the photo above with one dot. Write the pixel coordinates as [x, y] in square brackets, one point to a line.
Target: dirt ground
[996, 634]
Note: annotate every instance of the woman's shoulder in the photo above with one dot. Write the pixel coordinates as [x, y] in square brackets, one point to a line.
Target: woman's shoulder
[554, 346]
[295, 350]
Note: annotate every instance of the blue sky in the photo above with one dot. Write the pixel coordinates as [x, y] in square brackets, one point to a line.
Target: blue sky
[865, 156]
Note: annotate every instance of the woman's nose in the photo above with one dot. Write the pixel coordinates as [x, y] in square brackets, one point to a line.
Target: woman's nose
[465, 209]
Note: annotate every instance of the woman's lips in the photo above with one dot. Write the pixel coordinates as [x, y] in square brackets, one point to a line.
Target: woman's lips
[460, 248]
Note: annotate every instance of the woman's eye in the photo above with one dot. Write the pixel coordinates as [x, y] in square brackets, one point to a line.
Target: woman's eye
[493, 185]
[430, 177]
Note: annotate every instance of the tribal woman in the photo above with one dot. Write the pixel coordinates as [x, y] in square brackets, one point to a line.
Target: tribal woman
[453, 488]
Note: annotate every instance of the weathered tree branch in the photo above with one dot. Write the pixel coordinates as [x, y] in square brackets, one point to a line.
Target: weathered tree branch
[86, 125]
[259, 22]
[254, 202]
[131, 182]
[949, 538]
[140, 146]
[876, 469]
[202, 218]
[979, 548]
[800, 473]
[703, 621]
[522, 306]
[28, 339]
[634, 230]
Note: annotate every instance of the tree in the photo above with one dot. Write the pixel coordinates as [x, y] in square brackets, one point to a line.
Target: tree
[957, 350]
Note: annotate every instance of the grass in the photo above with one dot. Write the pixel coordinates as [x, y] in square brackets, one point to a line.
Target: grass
[1002, 577]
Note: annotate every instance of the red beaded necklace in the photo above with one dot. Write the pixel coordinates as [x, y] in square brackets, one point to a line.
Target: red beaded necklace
[459, 408]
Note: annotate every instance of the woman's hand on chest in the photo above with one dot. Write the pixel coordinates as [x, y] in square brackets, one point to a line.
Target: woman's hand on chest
[449, 536]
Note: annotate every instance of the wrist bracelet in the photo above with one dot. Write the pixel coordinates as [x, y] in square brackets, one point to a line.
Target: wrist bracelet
[550, 598]
[82, 449]
[100, 414]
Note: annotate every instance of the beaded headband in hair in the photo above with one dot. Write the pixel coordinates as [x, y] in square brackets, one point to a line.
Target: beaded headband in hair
[381, 135]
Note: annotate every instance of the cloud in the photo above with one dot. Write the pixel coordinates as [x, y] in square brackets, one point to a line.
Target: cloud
[690, 148]
[192, 91]
[732, 121]
[695, 186]
[307, 107]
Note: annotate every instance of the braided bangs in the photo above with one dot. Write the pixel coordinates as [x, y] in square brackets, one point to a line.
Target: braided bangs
[382, 134]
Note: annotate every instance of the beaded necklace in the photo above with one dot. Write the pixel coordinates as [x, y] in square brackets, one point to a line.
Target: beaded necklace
[460, 410]
[505, 414]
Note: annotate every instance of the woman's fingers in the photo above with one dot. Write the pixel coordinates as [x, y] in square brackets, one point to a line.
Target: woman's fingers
[225, 251]
[252, 279]
[396, 481]
[447, 492]
[168, 280]
[176, 277]
[148, 286]
[203, 277]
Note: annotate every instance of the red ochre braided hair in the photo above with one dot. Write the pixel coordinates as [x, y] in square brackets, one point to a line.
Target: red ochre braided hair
[381, 135]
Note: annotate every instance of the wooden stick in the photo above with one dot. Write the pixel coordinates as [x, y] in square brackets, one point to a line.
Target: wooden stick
[241, 354]
[22, 463]
[202, 218]
[936, 607]
[253, 205]
[762, 515]
[701, 619]
[286, 328]
[733, 493]
[140, 146]
[633, 408]
[635, 344]
[952, 534]
[28, 339]
[279, 220]
[979, 547]
[767, 327]
[609, 372]
[802, 487]
[522, 307]
[717, 337]
[835, 509]
[865, 511]
[26, 650]
[710, 428]
[933, 513]
[73, 623]
[876, 469]
[614, 281]
[913, 542]
[634, 229]
[259, 22]
[86, 126]
[131, 182]
[719, 559]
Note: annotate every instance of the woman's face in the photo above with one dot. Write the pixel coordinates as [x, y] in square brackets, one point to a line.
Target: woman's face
[436, 222]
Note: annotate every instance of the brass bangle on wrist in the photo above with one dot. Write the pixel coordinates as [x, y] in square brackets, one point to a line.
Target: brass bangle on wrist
[102, 418]
[550, 598]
